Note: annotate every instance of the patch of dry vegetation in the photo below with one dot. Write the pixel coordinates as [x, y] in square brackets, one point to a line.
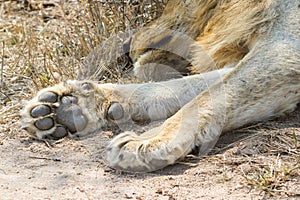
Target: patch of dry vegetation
[46, 42]
[275, 177]
[268, 155]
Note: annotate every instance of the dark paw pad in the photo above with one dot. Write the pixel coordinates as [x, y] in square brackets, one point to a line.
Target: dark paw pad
[59, 115]
[44, 124]
[115, 111]
[60, 132]
[40, 111]
[70, 114]
[49, 97]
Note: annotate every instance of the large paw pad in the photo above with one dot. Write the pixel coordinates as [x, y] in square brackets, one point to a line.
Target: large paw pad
[54, 115]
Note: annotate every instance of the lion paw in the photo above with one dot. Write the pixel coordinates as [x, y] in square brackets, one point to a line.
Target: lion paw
[60, 111]
[130, 152]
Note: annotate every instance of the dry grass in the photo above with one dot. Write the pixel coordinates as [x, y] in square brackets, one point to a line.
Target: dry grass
[271, 153]
[284, 149]
[46, 42]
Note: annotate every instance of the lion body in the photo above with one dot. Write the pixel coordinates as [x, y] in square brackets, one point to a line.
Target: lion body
[212, 43]
[248, 57]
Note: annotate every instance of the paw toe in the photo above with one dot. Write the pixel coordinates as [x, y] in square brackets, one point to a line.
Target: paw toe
[49, 97]
[59, 132]
[39, 111]
[44, 124]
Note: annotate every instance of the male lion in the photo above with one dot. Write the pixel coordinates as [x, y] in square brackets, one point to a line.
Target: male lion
[247, 51]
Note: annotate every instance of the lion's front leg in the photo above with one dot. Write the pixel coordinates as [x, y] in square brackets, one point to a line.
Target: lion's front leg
[76, 108]
[150, 151]
[164, 145]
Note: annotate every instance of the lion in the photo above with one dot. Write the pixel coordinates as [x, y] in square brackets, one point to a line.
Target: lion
[242, 59]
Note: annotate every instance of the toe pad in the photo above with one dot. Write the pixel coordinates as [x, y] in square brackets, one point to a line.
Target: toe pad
[49, 97]
[40, 111]
[44, 124]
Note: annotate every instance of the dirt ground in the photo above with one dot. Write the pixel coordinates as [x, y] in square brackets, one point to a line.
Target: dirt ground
[261, 161]
[76, 169]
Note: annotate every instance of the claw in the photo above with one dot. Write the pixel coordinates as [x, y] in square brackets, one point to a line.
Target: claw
[24, 128]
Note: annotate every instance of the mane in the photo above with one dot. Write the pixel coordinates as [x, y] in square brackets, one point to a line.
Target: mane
[231, 29]
[221, 32]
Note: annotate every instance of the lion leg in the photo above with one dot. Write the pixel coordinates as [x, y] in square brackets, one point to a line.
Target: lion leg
[76, 108]
[160, 100]
[263, 85]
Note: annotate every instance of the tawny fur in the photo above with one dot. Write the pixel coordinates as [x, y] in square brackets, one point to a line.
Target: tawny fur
[224, 30]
